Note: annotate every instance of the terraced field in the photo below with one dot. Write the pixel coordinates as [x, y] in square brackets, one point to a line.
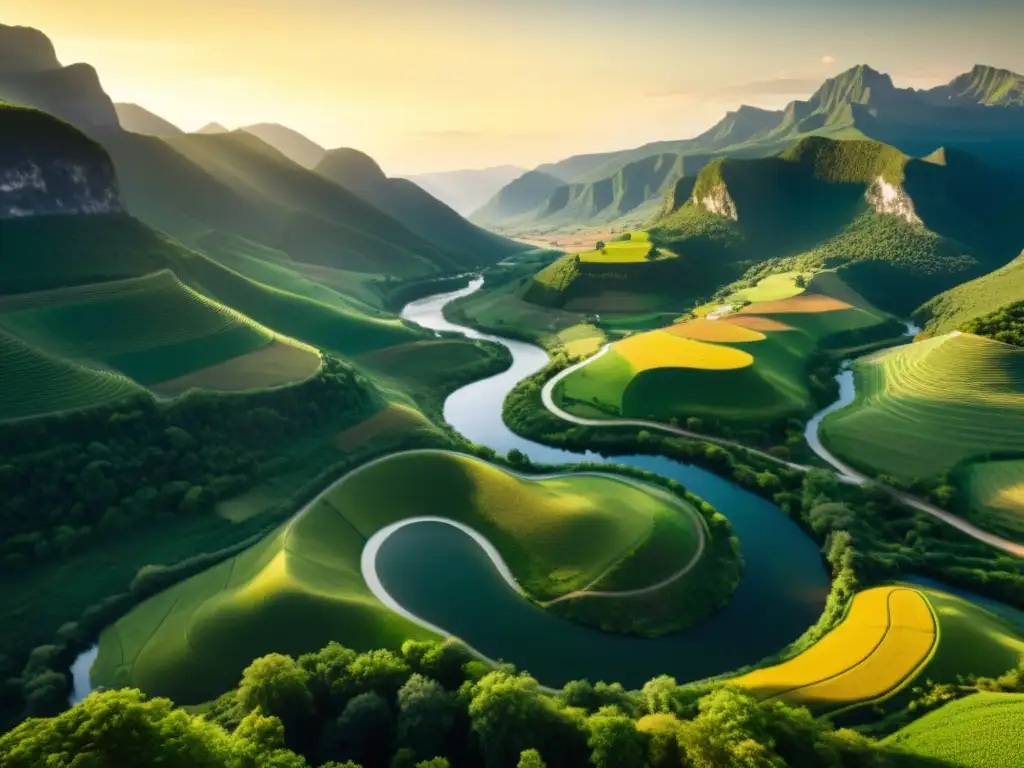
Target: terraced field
[879, 647]
[922, 408]
[35, 383]
[981, 731]
[742, 368]
[994, 492]
[772, 288]
[157, 332]
[302, 586]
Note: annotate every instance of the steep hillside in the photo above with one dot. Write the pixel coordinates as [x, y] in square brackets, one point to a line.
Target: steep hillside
[466, 191]
[289, 143]
[415, 208]
[140, 120]
[974, 299]
[635, 191]
[31, 75]
[193, 184]
[910, 228]
[987, 86]
[517, 198]
[47, 167]
[23, 49]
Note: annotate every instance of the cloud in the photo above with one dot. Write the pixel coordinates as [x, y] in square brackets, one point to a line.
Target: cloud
[826, 59]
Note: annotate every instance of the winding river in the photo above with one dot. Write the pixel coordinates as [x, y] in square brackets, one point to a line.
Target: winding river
[443, 577]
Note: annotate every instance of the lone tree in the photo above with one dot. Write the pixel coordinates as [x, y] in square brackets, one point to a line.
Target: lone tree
[653, 253]
[600, 245]
[799, 281]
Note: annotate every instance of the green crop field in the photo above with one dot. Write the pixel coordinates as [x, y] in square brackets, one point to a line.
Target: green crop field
[633, 250]
[153, 329]
[302, 586]
[36, 383]
[994, 493]
[774, 287]
[981, 731]
[922, 408]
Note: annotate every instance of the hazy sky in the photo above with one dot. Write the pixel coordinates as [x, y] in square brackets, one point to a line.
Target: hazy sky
[443, 84]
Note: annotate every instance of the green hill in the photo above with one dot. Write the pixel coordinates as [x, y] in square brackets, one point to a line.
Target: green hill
[36, 383]
[900, 229]
[922, 408]
[302, 585]
[981, 731]
[974, 300]
[152, 329]
[415, 208]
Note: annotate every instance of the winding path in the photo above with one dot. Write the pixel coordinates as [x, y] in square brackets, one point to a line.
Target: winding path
[845, 472]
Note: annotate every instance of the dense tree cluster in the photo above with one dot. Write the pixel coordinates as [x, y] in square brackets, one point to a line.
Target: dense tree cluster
[70, 481]
[1005, 325]
[434, 706]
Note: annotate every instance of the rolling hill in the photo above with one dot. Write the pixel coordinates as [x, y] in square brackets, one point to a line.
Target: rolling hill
[138, 119]
[977, 732]
[466, 191]
[973, 300]
[415, 208]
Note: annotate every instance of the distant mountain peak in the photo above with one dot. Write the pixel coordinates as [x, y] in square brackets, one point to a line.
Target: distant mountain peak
[213, 128]
[985, 85]
[24, 49]
[289, 142]
[353, 169]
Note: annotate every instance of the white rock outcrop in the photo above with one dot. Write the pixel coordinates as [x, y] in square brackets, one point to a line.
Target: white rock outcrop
[886, 197]
[720, 202]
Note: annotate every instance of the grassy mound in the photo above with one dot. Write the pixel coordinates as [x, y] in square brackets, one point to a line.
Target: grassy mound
[880, 645]
[891, 637]
[975, 299]
[981, 731]
[994, 493]
[153, 329]
[302, 586]
[36, 383]
[636, 249]
[922, 408]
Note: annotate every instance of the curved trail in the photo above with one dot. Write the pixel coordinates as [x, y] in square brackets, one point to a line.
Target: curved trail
[845, 472]
[549, 402]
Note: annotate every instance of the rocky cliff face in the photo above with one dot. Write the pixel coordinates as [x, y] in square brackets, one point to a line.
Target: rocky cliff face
[886, 197]
[49, 168]
[23, 49]
[719, 201]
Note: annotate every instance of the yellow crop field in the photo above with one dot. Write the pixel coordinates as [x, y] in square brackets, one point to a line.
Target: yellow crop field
[886, 637]
[805, 302]
[660, 349]
[757, 323]
[714, 330]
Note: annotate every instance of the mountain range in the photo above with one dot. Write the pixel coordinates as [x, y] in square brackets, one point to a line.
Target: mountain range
[467, 190]
[981, 111]
[250, 195]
